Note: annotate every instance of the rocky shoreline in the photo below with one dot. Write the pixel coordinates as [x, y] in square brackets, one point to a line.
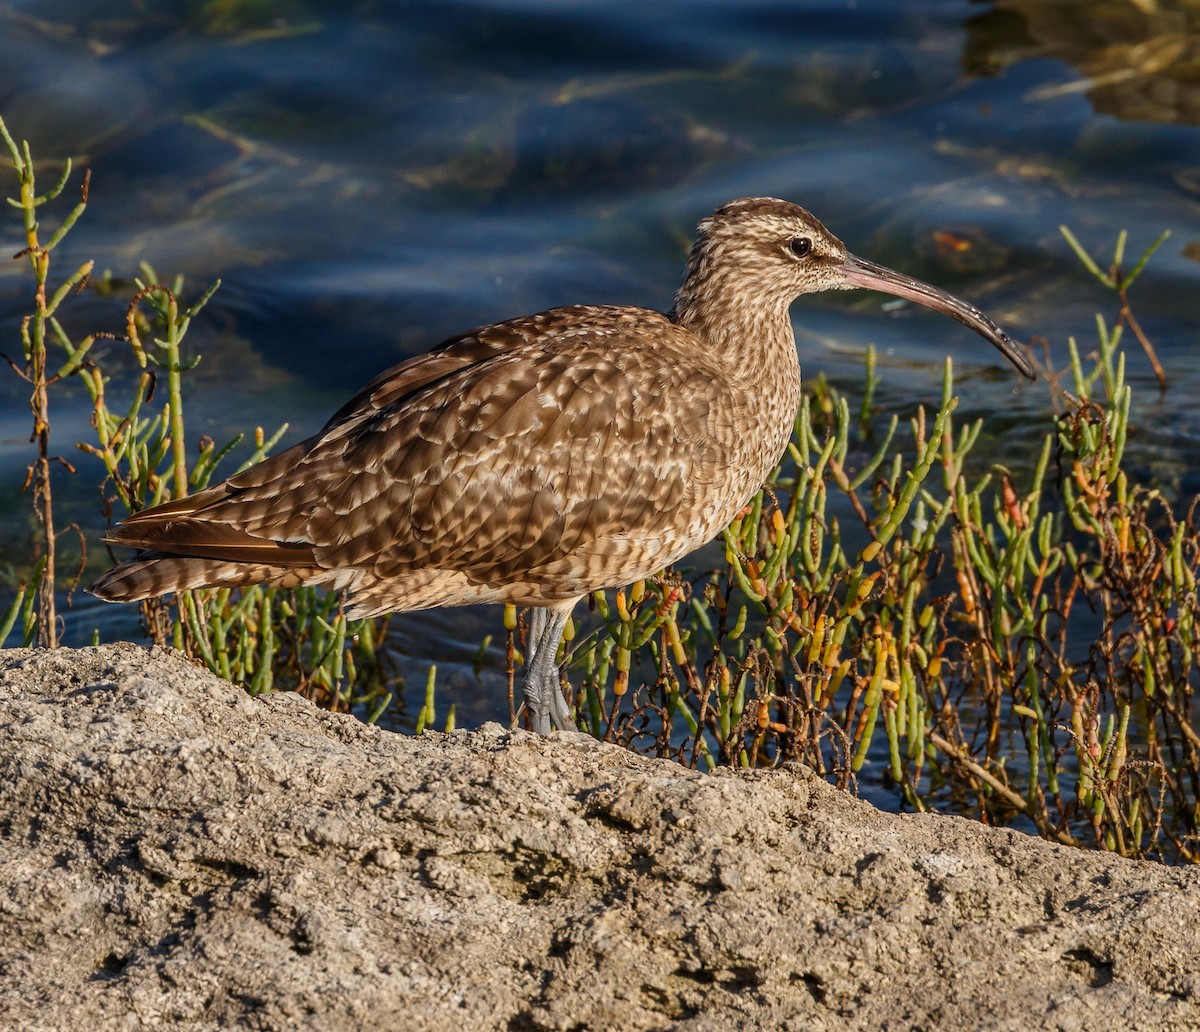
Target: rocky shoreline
[176, 854]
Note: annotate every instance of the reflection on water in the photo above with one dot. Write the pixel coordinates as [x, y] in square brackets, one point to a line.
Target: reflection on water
[369, 178]
[1140, 59]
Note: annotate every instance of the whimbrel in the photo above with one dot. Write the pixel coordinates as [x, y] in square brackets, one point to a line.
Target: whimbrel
[539, 459]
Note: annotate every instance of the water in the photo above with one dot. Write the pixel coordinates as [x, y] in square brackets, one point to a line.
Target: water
[369, 178]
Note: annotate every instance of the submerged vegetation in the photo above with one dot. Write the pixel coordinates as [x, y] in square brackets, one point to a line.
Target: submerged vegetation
[1017, 644]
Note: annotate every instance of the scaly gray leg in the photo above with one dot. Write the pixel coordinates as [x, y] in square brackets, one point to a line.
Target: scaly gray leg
[543, 694]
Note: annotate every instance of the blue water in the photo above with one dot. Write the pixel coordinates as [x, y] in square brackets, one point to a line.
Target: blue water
[368, 178]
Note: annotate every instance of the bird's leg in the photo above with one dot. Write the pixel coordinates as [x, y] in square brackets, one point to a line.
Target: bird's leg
[543, 695]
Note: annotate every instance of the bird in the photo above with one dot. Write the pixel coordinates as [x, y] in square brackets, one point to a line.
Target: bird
[537, 460]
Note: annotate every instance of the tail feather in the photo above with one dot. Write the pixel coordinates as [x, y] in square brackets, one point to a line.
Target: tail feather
[152, 574]
[202, 539]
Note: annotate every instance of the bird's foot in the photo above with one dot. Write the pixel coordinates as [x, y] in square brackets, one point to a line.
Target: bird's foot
[560, 713]
[547, 707]
[543, 693]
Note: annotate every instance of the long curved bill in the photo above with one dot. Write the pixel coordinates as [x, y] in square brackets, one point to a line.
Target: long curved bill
[860, 273]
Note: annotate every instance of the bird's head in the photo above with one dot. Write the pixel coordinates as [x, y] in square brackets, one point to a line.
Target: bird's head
[761, 251]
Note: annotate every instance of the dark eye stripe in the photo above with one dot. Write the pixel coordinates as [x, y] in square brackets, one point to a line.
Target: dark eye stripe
[800, 246]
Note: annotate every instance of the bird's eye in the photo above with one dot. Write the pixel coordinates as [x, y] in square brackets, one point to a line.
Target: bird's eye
[800, 246]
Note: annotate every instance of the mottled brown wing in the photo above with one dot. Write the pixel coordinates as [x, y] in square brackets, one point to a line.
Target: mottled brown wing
[207, 524]
[559, 432]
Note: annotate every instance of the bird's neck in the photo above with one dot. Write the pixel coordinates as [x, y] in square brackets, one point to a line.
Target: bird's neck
[751, 337]
[750, 334]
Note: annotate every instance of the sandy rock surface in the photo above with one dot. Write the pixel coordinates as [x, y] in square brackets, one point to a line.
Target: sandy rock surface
[174, 854]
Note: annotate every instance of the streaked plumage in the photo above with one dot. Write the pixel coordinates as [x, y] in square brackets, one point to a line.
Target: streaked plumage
[538, 459]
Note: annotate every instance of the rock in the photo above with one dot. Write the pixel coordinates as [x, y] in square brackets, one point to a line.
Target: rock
[176, 854]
